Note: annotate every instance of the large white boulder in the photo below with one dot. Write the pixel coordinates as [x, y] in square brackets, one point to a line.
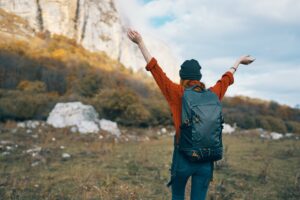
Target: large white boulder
[84, 117]
[81, 118]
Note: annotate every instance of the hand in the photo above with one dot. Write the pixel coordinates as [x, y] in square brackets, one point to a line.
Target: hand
[246, 60]
[134, 36]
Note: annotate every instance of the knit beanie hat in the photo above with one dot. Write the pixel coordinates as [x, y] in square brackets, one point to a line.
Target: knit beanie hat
[190, 70]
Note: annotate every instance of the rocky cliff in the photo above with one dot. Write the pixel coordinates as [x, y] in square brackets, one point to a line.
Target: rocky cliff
[96, 24]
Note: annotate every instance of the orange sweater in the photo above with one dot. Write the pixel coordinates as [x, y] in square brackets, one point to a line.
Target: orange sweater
[173, 92]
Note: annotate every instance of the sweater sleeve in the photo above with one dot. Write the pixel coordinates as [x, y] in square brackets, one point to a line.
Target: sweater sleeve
[222, 84]
[167, 87]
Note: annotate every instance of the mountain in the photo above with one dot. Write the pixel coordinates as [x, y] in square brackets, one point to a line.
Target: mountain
[96, 24]
[39, 69]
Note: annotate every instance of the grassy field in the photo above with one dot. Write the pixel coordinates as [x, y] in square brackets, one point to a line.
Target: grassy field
[109, 169]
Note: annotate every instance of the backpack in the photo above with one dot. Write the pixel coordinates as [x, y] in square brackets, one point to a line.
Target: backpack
[201, 125]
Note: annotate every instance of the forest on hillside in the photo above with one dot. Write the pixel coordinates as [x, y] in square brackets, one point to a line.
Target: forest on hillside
[36, 74]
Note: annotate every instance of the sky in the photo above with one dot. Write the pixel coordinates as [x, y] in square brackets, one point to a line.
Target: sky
[217, 32]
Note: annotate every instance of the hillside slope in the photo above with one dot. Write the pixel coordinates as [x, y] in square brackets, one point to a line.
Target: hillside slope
[95, 24]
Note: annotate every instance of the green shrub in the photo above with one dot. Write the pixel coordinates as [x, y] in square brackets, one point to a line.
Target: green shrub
[292, 126]
[89, 85]
[32, 86]
[276, 124]
[160, 111]
[19, 105]
[121, 105]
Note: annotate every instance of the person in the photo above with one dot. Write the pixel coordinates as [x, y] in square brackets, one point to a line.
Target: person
[190, 74]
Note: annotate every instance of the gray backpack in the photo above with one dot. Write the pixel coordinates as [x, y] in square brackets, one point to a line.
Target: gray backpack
[201, 125]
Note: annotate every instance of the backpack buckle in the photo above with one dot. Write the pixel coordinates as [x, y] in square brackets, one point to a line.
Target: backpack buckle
[196, 118]
[195, 154]
[187, 122]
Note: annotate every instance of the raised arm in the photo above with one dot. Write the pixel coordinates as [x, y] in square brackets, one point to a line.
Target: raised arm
[137, 38]
[167, 87]
[227, 78]
[245, 60]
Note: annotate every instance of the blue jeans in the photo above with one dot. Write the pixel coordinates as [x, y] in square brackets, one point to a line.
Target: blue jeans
[182, 169]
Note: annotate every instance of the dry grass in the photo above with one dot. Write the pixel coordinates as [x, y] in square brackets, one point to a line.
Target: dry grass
[106, 169]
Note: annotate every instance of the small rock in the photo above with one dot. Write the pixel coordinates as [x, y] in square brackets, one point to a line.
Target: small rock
[62, 147]
[8, 148]
[53, 139]
[35, 136]
[35, 164]
[21, 125]
[28, 131]
[163, 130]
[32, 124]
[100, 137]
[265, 136]
[172, 133]
[14, 130]
[288, 134]
[74, 129]
[66, 156]
[5, 153]
[6, 142]
[227, 128]
[276, 136]
[37, 149]
[110, 127]
[34, 154]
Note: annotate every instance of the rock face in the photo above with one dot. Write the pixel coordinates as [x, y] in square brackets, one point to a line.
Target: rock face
[96, 24]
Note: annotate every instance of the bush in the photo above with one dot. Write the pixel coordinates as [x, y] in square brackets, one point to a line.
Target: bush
[89, 85]
[293, 127]
[276, 124]
[135, 114]
[160, 111]
[121, 105]
[32, 86]
[262, 122]
[18, 105]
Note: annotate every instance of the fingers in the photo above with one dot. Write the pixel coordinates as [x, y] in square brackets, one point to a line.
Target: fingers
[251, 58]
[246, 59]
[131, 34]
[136, 33]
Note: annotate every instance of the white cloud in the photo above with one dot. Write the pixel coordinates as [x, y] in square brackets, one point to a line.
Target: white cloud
[217, 32]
